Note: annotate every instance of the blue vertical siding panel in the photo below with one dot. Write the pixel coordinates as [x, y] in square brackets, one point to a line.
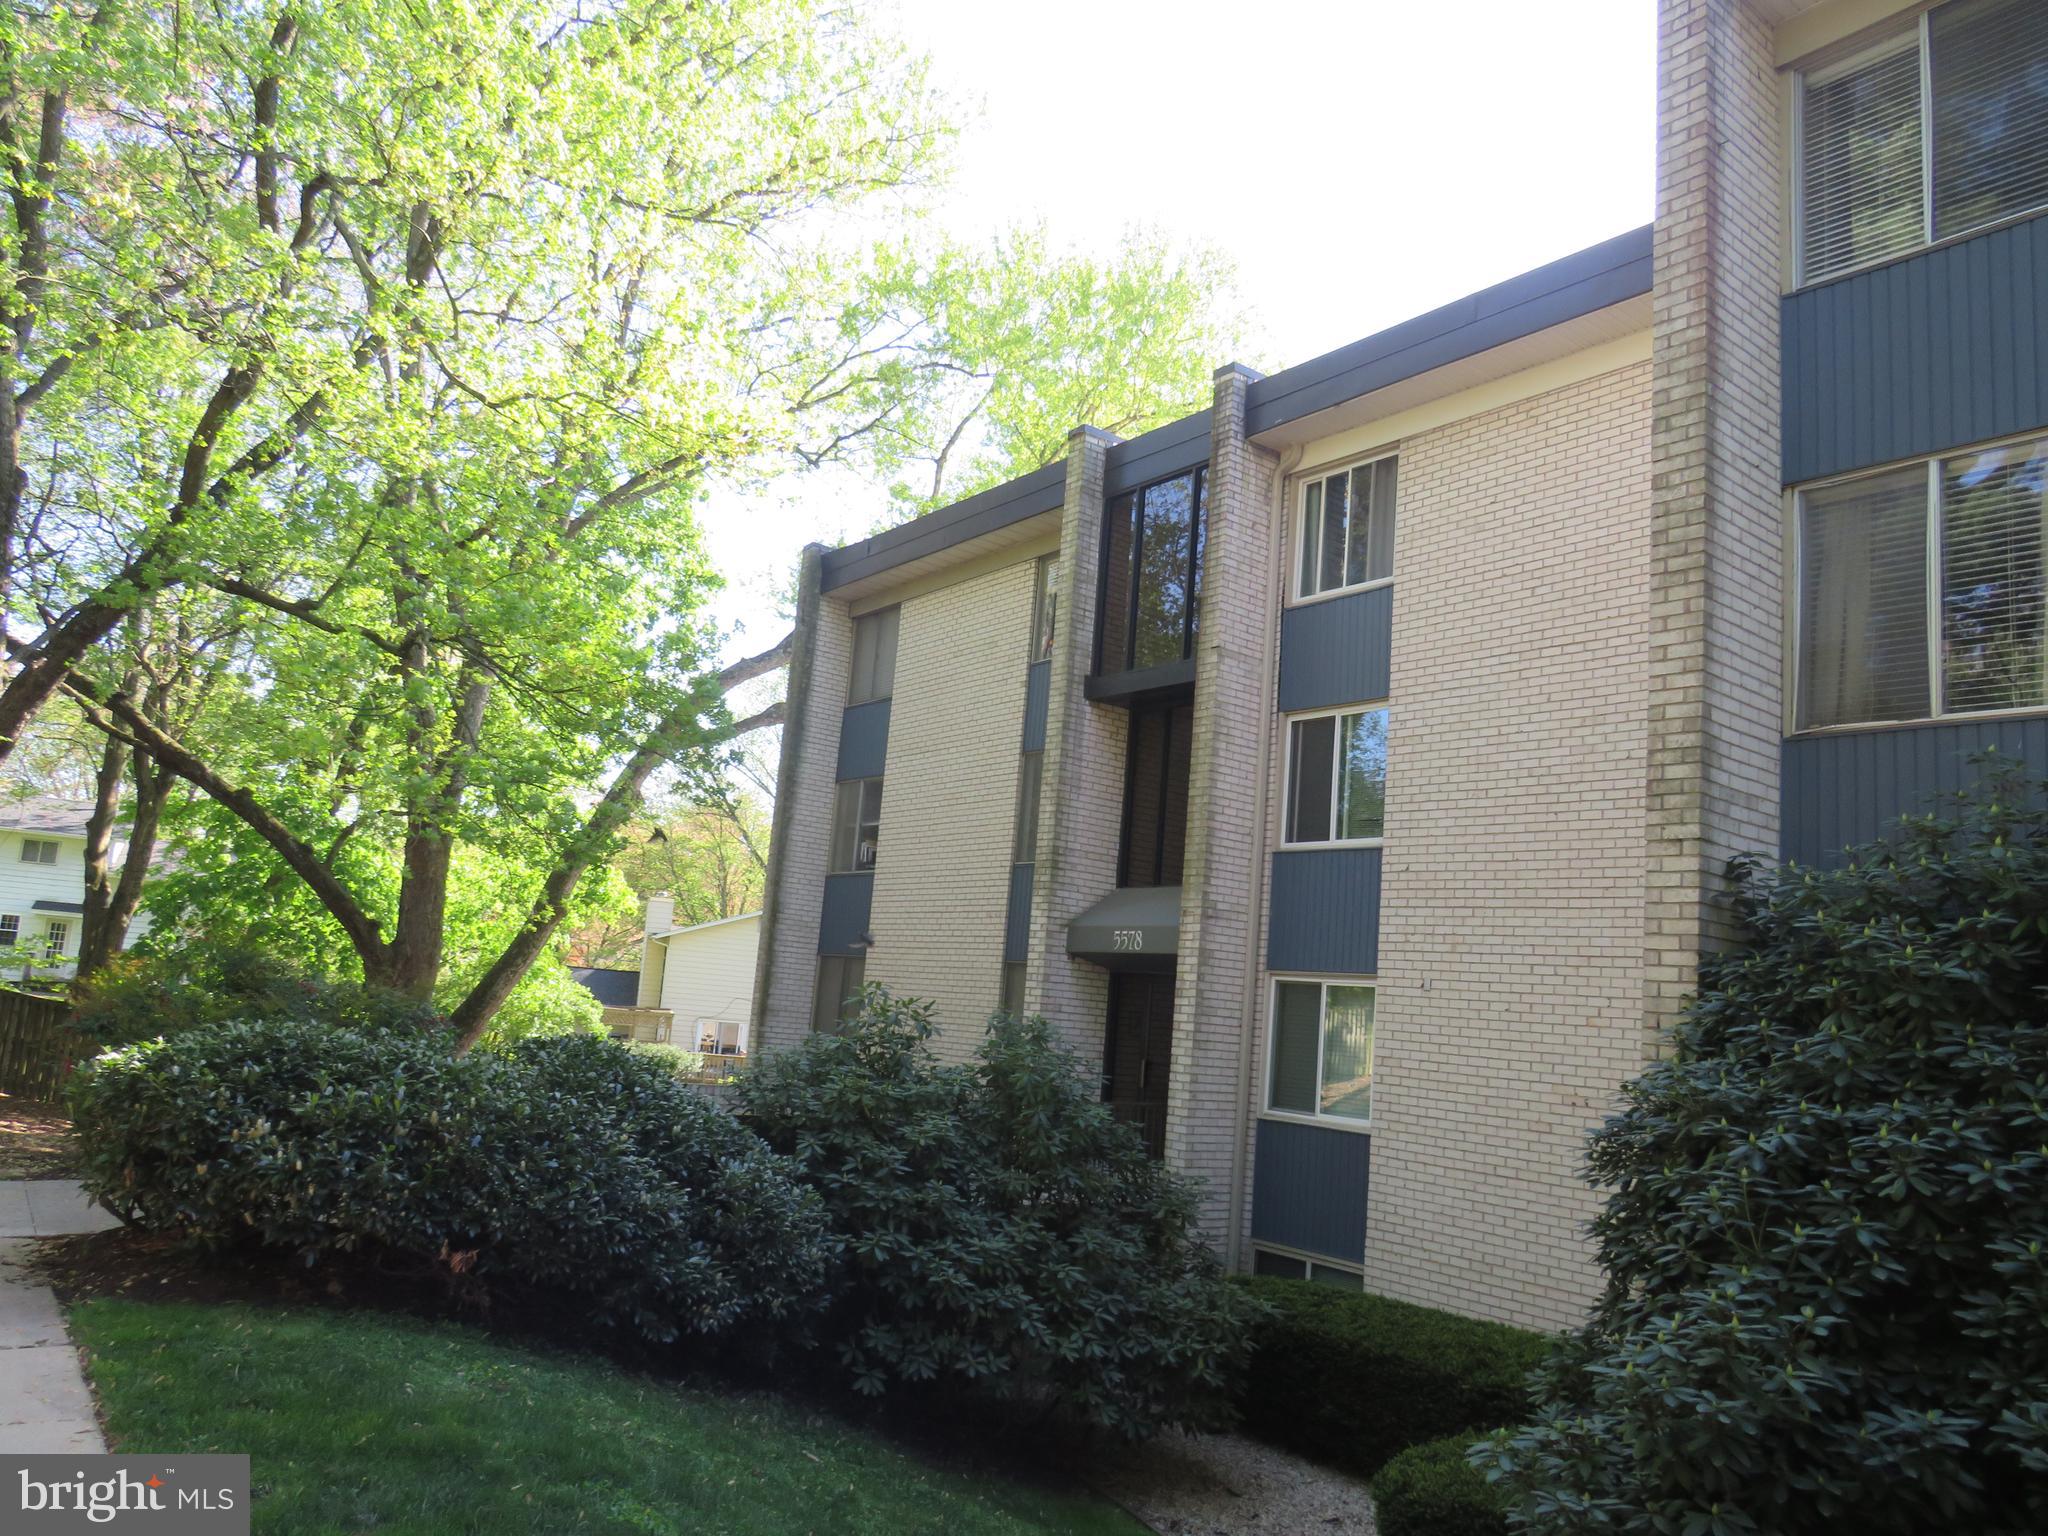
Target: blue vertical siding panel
[1336, 651]
[1325, 913]
[864, 740]
[1309, 1189]
[1946, 347]
[1017, 919]
[1037, 695]
[848, 899]
[1851, 787]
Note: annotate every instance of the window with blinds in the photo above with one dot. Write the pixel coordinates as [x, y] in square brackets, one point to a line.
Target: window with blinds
[1866, 650]
[1863, 600]
[1932, 133]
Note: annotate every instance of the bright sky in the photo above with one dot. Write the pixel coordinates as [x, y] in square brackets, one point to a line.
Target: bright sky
[1360, 162]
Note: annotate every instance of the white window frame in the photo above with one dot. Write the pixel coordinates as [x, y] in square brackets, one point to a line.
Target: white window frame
[1298, 597]
[1918, 35]
[1320, 1261]
[1931, 594]
[56, 936]
[33, 845]
[1287, 724]
[13, 941]
[1295, 1117]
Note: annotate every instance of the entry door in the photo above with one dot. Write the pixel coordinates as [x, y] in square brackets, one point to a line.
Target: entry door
[1139, 1053]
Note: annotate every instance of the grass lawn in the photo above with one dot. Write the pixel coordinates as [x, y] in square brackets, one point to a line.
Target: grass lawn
[361, 1422]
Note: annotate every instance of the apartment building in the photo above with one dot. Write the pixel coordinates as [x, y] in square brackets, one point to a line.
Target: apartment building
[1351, 767]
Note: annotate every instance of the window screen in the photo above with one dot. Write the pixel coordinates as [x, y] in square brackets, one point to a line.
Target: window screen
[1337, 777]
[1988, 64]
[874, 655]
[1297, 1019]
[840, 978]
[1863, 188]
[1863, 600]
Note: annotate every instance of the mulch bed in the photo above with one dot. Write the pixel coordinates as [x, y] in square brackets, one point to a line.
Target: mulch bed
[35, 1141]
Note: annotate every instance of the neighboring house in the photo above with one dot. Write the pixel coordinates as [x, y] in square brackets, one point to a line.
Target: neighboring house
[701, 977]
[42, 878]
[1351, 767]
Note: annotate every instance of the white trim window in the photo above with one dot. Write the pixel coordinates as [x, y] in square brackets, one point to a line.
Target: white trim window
[1346, 529]
[1937, 129]
[1288, 1264]
[10, 929]
[1319, 1051]
[1923, 590]
[856, 826]
[56, 935]
[1337, 778]
[38, 850]
[721, 1037]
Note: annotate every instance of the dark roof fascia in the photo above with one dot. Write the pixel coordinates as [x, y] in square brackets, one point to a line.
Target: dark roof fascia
[1043, 490]
[1168, 450]
[1580, 284]
[43, 904]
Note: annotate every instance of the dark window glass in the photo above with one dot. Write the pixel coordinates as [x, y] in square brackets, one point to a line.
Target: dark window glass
[10, 931]
[1156, 796]
[840, 978]
[1988, 63]
[1278, 1264]
[1120, 541]
[1329, 1274]
[1151, 562]
[874, 655]
[1309, 776]
[1024, 848]
[1045, 607]
[1012, 999]
[1297, 1024]
[856, 825]
[1863, 600]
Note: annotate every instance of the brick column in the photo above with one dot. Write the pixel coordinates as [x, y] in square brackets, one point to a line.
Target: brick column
[1081, 785]
[793, 896]
[1716, 595]
[1233, 722]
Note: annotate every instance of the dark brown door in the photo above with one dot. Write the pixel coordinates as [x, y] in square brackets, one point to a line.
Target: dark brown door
[1138, 1054]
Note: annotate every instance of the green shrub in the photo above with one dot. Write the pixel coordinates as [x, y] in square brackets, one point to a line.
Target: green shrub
[1826, 1232]
[139, 998]
[1433, 1490]
[1003, 1232]
[566, 1162]
[1352, 1379]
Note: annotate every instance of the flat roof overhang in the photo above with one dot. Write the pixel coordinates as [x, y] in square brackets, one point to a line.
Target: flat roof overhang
[1136, 928]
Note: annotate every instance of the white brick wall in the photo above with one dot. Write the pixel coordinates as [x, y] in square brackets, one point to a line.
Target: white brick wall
[956, 726]
[1510, 960]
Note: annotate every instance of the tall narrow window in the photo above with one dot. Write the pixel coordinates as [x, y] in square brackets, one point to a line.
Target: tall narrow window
[856, 826]
[840, 979]
[1347, 528]
[56, 936]
[1337, 777]
[874, 656]
[1010, 997]
[1156, 796]
[1863, 600]
[1152, 574]
[10, 930]
[1321, 1050]
[1045, 607]
[1993, 510]
[1024, 846]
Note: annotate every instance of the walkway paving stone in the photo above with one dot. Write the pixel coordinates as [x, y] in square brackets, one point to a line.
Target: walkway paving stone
[45, 1405]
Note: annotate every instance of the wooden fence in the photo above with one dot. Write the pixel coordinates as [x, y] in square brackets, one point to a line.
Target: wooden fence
[37, 1047]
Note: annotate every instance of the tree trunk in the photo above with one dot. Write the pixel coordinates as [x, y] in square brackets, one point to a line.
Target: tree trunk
[96, 940]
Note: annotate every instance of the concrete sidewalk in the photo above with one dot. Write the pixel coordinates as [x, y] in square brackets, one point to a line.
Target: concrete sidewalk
[45, 1405]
